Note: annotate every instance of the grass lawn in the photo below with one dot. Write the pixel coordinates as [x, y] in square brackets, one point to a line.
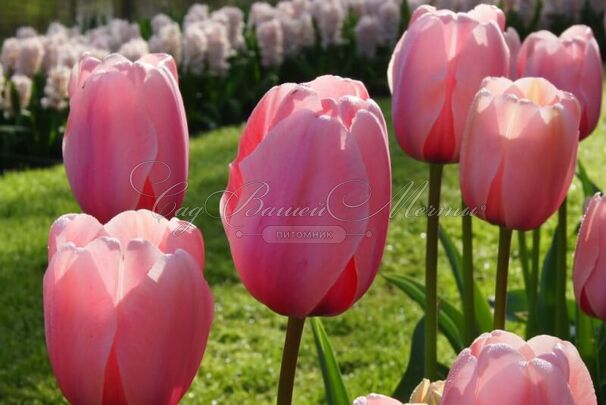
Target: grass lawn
[242, 358]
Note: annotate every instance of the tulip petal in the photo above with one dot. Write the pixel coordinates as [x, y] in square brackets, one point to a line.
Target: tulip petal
[79, 317]
[579, 379]
[105, 140]
[460, 385]
[185, 236]
[80, 73]
[498, 363]
[370, 134]
[261, 119]
[335, 87]
[141, 224]
[549, 386]
[588, 249]
[80, 229]
[164, 319]
[531, 134]
[168, 171]
[424, 56]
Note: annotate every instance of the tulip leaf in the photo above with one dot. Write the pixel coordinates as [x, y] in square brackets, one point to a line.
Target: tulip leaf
[483, 313]
[450, 319]
[600, 376]
[415, 370]
[517, 305]
[589, 187]
[547, 297]
[336, 393]
[585, 339]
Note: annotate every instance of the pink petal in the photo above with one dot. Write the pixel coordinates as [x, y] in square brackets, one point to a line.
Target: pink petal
[161, 60]
[588, 250]
[164, 320]
[140, 224]
[486, 13]
[335, 87]
[579, 379]
[80, 229]
[549, 386]
[525, 182]
[261, 118]
[376, 399]
[81, 71]
[499, 363]
[105, 140]
[460, 385]
[168, 172]
[425, 56]
[185, 236]
[496, 337]
[371, 135]
[79, 317]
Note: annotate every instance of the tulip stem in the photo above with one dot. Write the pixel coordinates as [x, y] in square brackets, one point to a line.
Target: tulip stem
[468, 293]
[561, 320]
[533, 284]
[294, 330]
[431, 271]
[500, 306]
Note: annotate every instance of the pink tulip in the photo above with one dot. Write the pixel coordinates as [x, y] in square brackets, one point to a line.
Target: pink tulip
[435, 71]
[126, 142]
[519, 151]
[573, 63]
[127, 311]
[589, 274]
[307, 204]
[500, 368]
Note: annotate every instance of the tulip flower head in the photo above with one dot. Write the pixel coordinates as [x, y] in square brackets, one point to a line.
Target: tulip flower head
[500, 368]
[435, 71]
[589, 272]
[307, 204]
[126, 141]
[519, 151]
[127, 311]
[572, 62]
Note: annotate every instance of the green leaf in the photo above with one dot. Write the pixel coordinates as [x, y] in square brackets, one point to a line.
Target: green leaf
[517, 305]
[589, 187]
[600, 379]
[415, 370]
[450, 319]
[547, 297]
[483, 313]
[336, 393]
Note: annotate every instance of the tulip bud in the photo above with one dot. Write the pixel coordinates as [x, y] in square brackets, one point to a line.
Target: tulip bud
[519, 151]
[435, 71]
[571, 62]
[127, 311]
[500, 368]
[126, 141]
[428, 392]
[589, 272]
[307, 204]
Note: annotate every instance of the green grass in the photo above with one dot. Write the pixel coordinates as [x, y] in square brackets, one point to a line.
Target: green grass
[241, 363]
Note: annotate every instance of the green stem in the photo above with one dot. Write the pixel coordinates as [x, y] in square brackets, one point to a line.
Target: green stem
[533, 285]
[431, 271]
[524, 261]
[500, 307]
[294, 330]
[561, 321]
[468, 296]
